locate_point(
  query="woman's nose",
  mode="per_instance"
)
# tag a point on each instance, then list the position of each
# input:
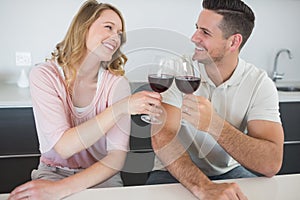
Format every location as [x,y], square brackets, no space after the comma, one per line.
[115,37]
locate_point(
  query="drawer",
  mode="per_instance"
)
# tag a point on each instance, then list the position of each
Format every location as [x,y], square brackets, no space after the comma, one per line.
[291,161]
[18,134]
[16,171]
[290,115]
[140,138]
[136,167]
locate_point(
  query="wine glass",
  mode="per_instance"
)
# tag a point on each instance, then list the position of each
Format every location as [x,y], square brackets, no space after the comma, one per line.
[159,81]
[188,78]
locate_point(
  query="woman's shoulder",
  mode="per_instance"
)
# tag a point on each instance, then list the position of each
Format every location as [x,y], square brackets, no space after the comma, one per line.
[47,67]
[115,79]
[116,85]
[44,71]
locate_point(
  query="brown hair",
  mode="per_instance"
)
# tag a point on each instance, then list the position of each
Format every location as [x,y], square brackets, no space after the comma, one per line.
[237,17]
[68,52]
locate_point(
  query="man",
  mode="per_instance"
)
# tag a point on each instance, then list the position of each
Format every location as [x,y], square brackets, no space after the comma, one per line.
[232,124]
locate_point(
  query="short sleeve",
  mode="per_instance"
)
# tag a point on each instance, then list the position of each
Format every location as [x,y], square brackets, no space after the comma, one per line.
[266,103]
[48,106]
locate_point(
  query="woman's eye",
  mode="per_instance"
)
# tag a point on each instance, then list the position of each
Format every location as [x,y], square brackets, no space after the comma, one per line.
[108,27]
[120,35]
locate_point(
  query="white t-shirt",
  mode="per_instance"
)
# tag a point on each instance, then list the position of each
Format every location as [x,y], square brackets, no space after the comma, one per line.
[248,95]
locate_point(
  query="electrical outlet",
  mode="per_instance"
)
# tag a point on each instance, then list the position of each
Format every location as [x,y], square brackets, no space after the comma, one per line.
[23,59]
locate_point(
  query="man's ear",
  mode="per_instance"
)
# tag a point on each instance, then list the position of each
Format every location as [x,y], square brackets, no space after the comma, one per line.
[235,41]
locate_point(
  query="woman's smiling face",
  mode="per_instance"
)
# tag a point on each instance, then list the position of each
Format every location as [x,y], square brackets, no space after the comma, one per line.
[104,36]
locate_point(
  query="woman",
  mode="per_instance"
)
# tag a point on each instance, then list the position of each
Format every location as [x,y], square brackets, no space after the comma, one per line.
[82,108]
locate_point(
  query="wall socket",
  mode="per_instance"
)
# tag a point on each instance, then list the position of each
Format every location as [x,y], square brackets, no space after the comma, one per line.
[23,59]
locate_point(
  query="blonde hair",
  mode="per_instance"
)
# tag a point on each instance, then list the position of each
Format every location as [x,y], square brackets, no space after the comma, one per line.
[69,52]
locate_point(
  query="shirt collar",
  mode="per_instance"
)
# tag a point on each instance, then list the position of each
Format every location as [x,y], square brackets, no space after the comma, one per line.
[233,80]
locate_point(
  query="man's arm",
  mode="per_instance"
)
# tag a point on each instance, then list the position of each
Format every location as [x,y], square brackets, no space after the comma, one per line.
[261,150]
[175,158]
[170,151]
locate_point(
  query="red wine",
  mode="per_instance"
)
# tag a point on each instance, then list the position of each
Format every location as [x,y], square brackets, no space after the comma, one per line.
[160,83]
[187,84]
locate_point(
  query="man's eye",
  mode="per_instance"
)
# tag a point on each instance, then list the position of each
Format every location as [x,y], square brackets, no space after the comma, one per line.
[205,32]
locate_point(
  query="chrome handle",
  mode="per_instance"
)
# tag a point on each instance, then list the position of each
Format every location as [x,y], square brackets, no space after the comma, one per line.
[292,142]
[20,156]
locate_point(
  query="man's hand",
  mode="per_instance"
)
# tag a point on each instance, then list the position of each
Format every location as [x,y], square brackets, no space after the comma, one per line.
[199,111]
[219,191]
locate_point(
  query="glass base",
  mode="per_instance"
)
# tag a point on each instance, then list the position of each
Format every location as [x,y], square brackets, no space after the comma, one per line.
[150,120]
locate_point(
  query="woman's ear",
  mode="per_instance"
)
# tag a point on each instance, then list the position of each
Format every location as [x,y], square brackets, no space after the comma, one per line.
[235,41]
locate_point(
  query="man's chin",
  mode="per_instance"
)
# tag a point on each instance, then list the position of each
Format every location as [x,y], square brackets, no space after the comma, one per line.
[198,58]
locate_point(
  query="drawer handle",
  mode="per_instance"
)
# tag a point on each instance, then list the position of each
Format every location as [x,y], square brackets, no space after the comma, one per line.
[21,156]
[292,142]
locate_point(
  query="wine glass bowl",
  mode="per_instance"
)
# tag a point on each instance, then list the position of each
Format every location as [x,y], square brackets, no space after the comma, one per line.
[188,78]
[160,81]
[187,84]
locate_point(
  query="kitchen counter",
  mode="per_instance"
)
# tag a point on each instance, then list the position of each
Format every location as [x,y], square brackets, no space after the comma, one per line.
[13,96]
[288,96]
[261,188]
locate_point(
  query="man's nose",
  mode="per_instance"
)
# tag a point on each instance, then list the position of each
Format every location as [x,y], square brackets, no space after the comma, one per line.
[196,36]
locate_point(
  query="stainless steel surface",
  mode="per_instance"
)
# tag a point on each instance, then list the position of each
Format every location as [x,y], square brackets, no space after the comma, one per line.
[20,156]
[276,75]
[288,88]
[292,142]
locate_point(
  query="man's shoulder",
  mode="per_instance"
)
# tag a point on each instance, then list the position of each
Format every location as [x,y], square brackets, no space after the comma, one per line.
[255,73]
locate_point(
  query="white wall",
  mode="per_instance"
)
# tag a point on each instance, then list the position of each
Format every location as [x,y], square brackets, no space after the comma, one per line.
[36,26]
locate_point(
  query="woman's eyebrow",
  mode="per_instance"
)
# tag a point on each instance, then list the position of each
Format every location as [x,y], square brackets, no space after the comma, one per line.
[112,23]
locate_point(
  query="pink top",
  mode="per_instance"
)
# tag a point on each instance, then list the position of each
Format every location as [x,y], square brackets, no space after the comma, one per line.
[54,114]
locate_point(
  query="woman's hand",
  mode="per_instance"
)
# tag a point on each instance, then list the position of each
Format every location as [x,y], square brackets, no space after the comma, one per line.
[144,102]
[36,190]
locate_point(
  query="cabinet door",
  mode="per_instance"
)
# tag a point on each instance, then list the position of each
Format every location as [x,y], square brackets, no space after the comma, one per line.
[18,134]
[16,171]
[140,159]
[19,149]
[290,115]
[291,159]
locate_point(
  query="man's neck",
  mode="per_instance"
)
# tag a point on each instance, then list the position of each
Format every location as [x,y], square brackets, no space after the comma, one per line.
[220,72]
